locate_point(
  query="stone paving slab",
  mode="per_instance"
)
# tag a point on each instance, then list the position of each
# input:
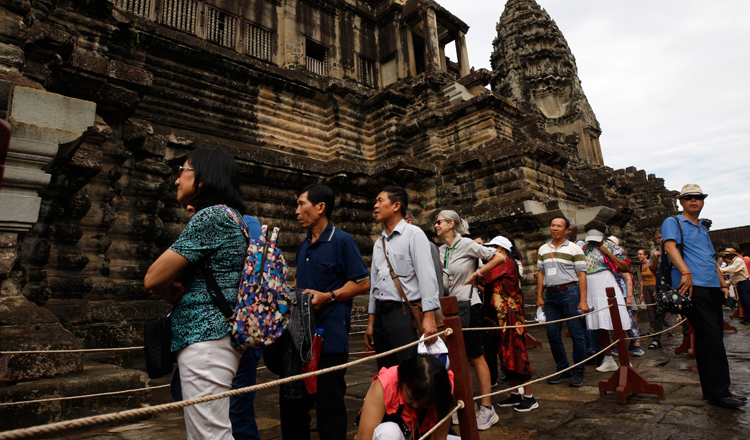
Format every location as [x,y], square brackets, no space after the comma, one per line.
[564,412]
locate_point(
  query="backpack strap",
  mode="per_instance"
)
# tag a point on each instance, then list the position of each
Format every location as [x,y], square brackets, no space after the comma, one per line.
[214,292]
[666,264]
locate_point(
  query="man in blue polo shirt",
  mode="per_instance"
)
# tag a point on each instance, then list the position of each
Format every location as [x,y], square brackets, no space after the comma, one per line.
[689,248]
[330,267]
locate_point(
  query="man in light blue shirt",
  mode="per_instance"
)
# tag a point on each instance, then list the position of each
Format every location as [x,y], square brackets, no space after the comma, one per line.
[408,250]
[689,248]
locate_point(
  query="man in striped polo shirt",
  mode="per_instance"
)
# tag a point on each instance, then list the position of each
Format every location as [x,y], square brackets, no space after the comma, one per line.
[561,271]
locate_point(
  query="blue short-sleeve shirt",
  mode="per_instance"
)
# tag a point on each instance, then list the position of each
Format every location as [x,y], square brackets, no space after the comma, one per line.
[328,264]
[698,251]
[213,235]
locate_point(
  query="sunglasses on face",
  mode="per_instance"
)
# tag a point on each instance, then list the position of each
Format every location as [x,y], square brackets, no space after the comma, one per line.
[182,168]
[437,222]
[688,198]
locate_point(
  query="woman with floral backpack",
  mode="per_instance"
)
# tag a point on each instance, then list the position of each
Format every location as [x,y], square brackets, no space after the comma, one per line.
[211,241]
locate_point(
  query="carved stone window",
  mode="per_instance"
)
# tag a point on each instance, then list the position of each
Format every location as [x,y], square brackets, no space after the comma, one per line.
[316,57]
[366,71]
[180,14]
[259,42]
[140,7]
[221,28]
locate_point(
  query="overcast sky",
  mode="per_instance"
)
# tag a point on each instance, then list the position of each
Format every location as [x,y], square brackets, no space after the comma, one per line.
[669,82]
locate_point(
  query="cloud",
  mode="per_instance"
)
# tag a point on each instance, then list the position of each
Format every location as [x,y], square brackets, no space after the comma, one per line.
[667,81]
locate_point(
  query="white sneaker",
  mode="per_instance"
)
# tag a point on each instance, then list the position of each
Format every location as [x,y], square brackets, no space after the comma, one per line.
[454,417]
[608,365]
[486,418]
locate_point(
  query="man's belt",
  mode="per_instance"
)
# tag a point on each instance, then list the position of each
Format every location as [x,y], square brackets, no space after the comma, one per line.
[560,288]
[387,306]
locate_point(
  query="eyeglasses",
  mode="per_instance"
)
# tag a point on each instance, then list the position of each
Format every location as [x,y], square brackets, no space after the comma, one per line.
[693,197]
[182,168]
[437,222]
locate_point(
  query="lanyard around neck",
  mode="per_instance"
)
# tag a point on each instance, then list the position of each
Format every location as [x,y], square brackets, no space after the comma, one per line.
[449,255]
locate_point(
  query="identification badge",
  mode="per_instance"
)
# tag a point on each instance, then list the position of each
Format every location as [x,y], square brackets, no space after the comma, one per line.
[551,271]
[450,280]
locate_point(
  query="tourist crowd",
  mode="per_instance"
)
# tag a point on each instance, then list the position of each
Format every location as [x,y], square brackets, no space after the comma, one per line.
[412,391]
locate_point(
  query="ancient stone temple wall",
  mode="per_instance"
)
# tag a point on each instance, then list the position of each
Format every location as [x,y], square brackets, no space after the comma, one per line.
[162,90]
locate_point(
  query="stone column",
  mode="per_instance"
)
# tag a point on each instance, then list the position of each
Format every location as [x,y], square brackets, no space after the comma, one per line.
[46,126]
[42,122]
[462,54]
[431,43]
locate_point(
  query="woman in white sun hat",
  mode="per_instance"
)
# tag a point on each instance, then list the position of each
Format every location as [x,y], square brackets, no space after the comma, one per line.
[604,262]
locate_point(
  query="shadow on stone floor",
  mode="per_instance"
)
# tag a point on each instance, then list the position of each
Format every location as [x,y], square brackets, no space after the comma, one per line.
[564,412]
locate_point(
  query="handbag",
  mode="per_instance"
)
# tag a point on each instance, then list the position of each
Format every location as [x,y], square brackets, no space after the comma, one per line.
[669,299]
[157,345]
[416,309]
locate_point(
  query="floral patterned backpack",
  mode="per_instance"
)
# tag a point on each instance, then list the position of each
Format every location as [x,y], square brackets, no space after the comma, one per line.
[263,306]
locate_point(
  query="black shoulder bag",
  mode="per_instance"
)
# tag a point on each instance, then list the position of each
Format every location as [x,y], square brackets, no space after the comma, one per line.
[669,299]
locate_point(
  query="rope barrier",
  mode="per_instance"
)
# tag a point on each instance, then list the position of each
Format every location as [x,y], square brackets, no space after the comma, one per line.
[658,333]
[547,377]
[111,417]
[426,435]
[56,399]
[82,350]
[535,324]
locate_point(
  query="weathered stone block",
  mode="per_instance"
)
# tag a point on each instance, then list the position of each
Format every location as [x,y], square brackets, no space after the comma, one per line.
[92,379]
[11,55]
[68,117]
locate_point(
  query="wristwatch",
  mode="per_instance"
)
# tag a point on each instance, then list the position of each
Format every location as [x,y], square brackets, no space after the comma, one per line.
[333,296]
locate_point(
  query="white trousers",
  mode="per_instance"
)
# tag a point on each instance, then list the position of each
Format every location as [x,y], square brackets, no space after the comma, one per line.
[207,368]
[391,431]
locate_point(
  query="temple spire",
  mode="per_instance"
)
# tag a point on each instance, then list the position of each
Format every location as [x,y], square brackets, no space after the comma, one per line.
[533,65]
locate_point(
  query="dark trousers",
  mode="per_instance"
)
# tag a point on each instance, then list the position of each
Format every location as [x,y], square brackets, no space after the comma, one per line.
[558,305]
[658,321]
[708,322]
[330,411]
[491,353]
[393,329]
[743,292]
[241,409]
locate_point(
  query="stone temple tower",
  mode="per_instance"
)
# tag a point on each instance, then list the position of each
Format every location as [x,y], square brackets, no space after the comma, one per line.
[533,64]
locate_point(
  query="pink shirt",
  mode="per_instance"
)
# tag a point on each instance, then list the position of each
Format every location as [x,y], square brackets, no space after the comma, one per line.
[393,397]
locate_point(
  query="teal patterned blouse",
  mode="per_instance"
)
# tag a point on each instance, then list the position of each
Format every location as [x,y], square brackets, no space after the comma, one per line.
[210,233]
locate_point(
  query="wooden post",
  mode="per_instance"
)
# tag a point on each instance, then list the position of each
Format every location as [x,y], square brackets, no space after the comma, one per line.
[625,381]
[532,341]
[729,328]
[688,344]
[462,387]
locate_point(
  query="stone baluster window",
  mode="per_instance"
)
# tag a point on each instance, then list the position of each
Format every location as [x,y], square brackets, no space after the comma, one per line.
[140,7]
[221,28]
[366,71]
[259,42]
[316,57]
[180,14]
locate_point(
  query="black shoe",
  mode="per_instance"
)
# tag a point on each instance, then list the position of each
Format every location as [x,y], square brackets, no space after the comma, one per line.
[727,402]
[655,344]
[740,398]
[561,377]
[577,379]
[526,405]
[513,400]
[596,361]
[745,322]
